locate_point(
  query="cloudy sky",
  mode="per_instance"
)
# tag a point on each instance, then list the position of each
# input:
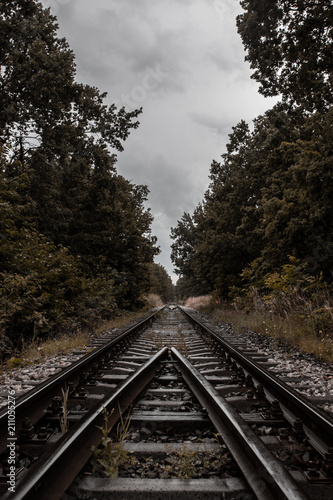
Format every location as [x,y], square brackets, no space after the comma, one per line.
[182,61]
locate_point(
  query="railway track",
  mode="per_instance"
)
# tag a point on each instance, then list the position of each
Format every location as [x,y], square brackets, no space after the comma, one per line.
[202,417]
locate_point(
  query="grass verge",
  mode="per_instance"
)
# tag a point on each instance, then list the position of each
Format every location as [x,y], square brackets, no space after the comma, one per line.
[37,350]
[293,329]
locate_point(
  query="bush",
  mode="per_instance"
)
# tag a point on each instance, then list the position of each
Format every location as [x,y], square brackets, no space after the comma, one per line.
[289,291]
[44,291]
[154,300]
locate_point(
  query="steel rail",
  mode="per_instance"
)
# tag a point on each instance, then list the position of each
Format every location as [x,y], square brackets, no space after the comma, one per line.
[317,424]
[39,398]
[50,476]
[268,479]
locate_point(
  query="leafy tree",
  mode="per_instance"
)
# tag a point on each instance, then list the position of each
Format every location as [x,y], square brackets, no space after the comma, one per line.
[222,252]
[42,288]
[59,129]
[183,252]
[271,195]
[183,289]
[266,201]
[109,231]
[297,203]
[289,45]
[39,98]
[76,238]
[161,283]
[218,253]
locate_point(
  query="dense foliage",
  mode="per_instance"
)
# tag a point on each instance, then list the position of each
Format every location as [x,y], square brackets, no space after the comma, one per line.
[161,283]
[271,197]
[289,44]
[75,238]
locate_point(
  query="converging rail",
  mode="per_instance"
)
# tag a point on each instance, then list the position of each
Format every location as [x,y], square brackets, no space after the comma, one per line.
[181,383]
[263,472]
[50,476]
[32,405]
[300,412]
[266,476]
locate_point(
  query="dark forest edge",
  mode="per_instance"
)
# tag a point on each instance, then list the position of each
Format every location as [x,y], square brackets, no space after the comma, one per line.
[76,247]
[260,242]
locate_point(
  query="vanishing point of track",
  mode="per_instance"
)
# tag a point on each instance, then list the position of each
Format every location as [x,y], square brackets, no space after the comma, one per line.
[181,378]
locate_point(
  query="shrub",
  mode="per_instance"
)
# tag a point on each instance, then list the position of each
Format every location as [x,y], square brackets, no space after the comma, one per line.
[154,300]
[198,302]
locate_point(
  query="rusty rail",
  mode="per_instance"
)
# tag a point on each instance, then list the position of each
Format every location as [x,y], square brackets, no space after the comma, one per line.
[267,478]
[50,476]
[34,402]
[317,425]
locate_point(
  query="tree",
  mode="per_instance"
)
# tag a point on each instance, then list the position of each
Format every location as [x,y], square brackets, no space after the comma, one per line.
[42,288]
[218,253]
[289,44]
[271,195]
[183,251]
[59,129]
[161,283]
[39,98]
[268,199]
[297,204]
[76,236]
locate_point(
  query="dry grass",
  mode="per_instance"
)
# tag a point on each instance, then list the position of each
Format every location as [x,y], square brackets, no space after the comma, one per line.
[198,302]
[290,329]
[36,351]
[123,319]
[293,329]
[154,300]
[60,345]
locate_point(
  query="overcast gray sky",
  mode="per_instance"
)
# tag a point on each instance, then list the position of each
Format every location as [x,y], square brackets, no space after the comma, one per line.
[183,62]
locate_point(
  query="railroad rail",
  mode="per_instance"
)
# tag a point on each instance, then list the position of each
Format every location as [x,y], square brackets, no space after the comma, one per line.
[304,416]
[181,380]
[76,376]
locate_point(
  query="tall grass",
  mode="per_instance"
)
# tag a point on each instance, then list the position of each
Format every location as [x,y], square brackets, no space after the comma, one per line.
[59,345]
[154,300]
[203,301]
[37,350]
[297,321]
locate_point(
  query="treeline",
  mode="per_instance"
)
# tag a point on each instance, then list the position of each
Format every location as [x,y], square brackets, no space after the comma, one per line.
[161,283]
[75,238]
[268,211]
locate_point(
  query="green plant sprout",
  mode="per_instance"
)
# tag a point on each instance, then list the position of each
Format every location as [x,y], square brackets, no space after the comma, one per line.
[111,454]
